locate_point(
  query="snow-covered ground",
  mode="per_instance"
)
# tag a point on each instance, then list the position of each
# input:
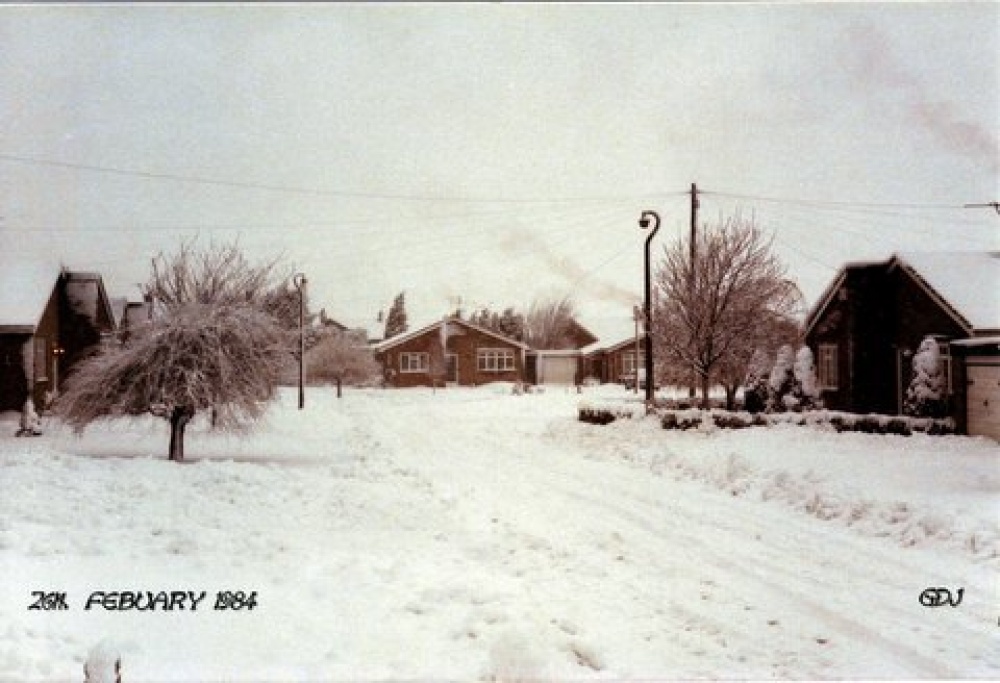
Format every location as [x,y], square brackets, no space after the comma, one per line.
[471,534]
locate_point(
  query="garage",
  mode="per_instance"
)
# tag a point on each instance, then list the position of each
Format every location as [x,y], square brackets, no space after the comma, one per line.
[556,367]
[983,397]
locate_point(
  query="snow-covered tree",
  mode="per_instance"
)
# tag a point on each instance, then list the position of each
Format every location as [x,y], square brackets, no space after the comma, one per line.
[709,310]
[341,357]
[806,391]
[781,383]
[396,321]
[210,347]
[925,395]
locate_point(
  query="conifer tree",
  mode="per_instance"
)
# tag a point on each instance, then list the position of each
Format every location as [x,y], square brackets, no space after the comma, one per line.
[925,395]
[396,322]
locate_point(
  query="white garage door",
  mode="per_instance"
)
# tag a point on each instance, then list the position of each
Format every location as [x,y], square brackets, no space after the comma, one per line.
[983,400]
[556,370]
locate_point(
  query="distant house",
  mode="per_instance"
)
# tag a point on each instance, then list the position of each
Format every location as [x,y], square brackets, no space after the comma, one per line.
[617,363]
[565,365]
[452,351]
[871,319]
[50,318]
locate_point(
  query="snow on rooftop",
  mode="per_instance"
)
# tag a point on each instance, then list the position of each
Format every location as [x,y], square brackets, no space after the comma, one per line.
[25,288]
[968,281]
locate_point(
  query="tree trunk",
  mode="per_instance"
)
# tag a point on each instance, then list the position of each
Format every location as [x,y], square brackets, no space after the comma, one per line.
[179,418]
[731,396]
[339,383]
[705,388]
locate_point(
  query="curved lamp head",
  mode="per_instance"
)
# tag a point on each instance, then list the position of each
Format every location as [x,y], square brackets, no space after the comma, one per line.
[299,280]
[649,219]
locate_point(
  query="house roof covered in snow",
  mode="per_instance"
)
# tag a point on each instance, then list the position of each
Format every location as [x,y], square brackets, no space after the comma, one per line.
[964,283]
[25,288]
[453,323]
[969,282]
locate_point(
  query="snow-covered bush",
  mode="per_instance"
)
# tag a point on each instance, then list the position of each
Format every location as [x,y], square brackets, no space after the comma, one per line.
[805,391]
[603,414]
[925,395]
[782,380]
[755,385]
[816,419]
[792,384]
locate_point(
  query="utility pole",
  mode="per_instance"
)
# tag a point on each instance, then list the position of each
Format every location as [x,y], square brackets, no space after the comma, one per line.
[300,283]
[694,224]
[694,251]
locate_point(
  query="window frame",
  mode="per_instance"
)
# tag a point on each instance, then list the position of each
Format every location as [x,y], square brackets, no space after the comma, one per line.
[414,362]
[41,359]
[495,360]
[827,368]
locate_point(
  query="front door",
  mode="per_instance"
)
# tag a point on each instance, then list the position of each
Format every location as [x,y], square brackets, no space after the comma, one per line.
[451,371]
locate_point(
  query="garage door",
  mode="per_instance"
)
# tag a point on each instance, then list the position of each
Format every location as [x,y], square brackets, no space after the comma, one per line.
[557,370]
[983,400]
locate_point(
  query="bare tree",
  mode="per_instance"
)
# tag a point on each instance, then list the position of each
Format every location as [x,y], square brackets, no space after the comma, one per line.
[342,357]
[210,347]
[711,313]
[549,323]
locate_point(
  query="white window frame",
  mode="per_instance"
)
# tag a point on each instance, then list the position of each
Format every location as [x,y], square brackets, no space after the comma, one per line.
[41,359]
[495,360]
[944,353]
[412,362]
[628,362]
[826,366]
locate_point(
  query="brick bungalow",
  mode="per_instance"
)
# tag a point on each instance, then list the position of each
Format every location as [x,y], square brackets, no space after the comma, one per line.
[49,319]
[867,325]
[451,351]
[617,363]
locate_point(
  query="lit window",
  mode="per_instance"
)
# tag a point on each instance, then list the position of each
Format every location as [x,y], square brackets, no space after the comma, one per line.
[495,360]
[414,362]
[826,366]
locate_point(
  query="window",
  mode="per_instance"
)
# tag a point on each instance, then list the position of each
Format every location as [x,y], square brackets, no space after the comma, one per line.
[944,351]
[495,360]
[826,366]
[41,359]
[628,362]
[414,362]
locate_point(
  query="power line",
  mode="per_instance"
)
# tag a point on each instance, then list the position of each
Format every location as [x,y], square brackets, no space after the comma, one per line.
[352,194]
[829,203]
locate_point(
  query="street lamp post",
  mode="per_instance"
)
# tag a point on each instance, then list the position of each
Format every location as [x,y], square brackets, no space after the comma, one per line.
[646,220]
[637,317]
[300,284]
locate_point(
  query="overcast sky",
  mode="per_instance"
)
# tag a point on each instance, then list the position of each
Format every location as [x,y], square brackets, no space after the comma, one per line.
[490,151]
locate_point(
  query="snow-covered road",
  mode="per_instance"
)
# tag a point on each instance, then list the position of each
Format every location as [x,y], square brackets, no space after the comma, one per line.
[640,574]
[477,535]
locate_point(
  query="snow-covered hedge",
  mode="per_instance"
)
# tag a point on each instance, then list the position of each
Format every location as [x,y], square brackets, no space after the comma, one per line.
[606,413]
[823,419]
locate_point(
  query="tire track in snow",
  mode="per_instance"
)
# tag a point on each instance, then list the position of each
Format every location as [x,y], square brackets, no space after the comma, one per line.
[538,478]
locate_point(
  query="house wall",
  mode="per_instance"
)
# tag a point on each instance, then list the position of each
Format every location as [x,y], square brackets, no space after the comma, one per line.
[49,329]
[13,380]
[465,346]
[876,320]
